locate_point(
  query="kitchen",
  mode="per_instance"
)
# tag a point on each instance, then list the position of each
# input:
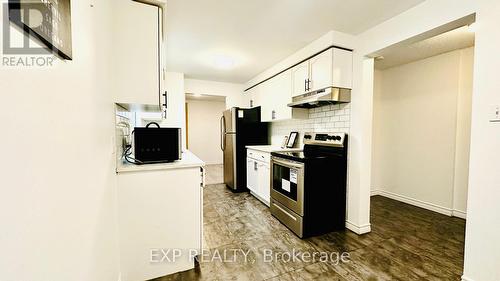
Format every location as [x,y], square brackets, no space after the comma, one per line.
[180,131]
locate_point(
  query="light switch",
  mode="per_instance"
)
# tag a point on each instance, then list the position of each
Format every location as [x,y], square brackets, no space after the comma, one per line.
[495,113]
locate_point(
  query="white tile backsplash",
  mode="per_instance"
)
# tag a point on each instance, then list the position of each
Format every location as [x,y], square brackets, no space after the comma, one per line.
[328,118]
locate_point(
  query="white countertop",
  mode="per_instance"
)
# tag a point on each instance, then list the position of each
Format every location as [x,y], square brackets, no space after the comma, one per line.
[271,148]
[189,160]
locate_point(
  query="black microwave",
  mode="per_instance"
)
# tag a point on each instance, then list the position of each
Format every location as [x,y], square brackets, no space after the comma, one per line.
[157,145]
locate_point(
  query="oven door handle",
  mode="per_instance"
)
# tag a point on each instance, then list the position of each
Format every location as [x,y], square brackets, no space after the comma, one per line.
[287,164]
[285,212]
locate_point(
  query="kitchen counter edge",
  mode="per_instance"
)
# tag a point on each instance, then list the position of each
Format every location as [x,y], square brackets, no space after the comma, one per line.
[271,148]
[189,160]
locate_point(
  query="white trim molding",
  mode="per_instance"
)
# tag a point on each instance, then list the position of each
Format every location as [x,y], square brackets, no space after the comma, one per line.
[464,278]
[420,203]
[358,229]
[459,214]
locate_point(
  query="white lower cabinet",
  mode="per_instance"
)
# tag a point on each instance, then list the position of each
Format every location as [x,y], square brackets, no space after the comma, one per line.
[252,175]
[264,181]
[258,175]
[158,209]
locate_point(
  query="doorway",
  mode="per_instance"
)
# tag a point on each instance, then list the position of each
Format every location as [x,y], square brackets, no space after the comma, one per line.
[203,114]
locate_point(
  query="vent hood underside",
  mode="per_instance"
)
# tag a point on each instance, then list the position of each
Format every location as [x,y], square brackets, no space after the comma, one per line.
[322,97]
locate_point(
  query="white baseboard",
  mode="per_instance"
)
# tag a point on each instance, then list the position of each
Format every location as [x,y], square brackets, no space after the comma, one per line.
[420,203]
[358,229]
[464,278]
[459,214]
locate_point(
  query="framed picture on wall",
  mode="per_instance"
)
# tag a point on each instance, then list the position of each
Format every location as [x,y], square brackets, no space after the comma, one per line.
[48,21]
[292,139]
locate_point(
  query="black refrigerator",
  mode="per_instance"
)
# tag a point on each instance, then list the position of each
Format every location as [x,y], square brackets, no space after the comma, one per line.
[240,127]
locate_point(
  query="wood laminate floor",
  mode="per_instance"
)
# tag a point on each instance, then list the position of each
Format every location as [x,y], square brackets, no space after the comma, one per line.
[406,243]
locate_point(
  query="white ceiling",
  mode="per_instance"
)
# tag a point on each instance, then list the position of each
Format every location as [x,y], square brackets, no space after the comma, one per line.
[254,35]
[446,42]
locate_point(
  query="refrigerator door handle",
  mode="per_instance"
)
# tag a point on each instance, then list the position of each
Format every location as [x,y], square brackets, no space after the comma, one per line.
[223,133]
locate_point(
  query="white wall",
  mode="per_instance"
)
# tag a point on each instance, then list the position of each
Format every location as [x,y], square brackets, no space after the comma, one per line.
[232,92]
[482,248]
[415,134]
[204,129]
[57,207]
[462,148]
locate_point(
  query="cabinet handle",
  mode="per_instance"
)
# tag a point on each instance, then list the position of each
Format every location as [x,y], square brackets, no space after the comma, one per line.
[273,115]
[255,166]
[251,103]
[165,105]
[165,99]
[305,85]
[308,84]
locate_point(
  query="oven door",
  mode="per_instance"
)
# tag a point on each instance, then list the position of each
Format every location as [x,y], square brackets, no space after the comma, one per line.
[287,184]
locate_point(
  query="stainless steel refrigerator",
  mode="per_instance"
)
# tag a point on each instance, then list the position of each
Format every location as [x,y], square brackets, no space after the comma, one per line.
[240,127]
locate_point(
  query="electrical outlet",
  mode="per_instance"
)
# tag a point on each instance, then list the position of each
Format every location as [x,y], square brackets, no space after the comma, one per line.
[495,113]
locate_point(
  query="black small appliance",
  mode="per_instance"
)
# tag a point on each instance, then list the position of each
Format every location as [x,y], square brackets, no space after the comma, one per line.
[157,145]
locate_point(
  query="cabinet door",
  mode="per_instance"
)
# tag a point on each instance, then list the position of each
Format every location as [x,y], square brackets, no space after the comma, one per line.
[266,93]
[247,101]
[321,70]
[255,96]
[252,175]
[300,74]
[282,96]
[342,68]
[264,182]
[175,99]
[136,62]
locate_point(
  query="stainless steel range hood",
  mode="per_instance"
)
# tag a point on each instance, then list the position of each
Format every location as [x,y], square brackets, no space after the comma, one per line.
[322,97]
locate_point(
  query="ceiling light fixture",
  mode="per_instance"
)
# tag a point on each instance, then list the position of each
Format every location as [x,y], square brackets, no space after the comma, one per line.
[223,62]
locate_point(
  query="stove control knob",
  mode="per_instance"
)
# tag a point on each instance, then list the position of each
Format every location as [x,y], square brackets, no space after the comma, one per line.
[307,137]
[338,138]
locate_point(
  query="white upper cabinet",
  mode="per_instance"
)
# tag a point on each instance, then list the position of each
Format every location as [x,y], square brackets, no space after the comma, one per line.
[342,68]
[300,74]
[136,53]
[320,71]
[175,99]
[331,68]
[275,95]
[266,91]
[254,95]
